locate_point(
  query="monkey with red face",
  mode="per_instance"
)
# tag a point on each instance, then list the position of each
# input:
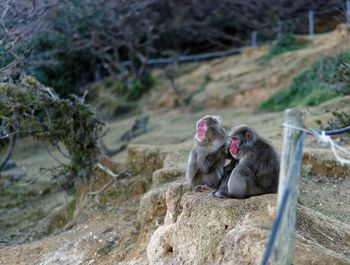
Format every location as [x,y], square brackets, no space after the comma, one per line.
[257,170]
[205,167]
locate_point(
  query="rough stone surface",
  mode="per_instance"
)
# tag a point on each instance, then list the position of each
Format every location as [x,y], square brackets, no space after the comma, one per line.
[166,174]
[64,255]
[212,231]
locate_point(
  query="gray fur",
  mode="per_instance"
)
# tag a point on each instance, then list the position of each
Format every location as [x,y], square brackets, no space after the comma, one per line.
[207,158]
[257,171]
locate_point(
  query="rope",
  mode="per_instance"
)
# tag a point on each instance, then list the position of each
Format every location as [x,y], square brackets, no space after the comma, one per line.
[324,136]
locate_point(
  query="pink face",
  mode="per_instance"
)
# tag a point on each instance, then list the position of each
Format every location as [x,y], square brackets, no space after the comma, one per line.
[234,146]
[201,130]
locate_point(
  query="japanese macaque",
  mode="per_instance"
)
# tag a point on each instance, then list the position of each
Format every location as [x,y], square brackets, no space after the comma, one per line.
[205,167]
[257,170]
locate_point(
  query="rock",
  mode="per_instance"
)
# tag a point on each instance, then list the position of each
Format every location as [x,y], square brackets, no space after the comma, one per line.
[67,254]
[214,231]
[145,159]
[151,213]
[322,163]
[160,205]
[166,175]
[173,197]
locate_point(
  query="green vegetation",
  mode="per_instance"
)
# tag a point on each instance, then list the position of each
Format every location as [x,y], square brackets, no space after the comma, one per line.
[326,79]
[32,109]
[188,99]
[288,42]
[138,87]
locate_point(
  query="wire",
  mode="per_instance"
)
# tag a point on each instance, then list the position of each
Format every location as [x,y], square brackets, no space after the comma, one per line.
[336,131]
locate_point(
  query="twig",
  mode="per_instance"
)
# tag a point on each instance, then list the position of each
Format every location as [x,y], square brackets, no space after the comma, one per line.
[50,154]
[61,151]
[94,193]
[30,181]
[110,173]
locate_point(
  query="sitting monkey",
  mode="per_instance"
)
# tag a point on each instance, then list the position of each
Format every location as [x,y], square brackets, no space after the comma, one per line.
[205,166]
[257,171]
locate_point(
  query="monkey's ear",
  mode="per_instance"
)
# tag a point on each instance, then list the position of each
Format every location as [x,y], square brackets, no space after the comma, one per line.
[218,119]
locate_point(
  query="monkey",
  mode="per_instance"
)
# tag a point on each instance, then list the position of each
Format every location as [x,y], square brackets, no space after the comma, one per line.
[257,171]
[205,166]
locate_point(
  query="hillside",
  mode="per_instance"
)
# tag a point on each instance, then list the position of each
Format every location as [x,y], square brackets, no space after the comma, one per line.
[151,217]
[246,80]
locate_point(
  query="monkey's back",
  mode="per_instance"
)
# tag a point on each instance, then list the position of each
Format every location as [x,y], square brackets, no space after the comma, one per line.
[267,166]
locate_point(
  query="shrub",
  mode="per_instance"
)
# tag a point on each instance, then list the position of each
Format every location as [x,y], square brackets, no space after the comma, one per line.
[33,109]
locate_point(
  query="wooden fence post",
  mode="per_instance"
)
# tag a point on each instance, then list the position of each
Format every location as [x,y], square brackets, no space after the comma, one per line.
[348,12]
[254,39]
[311,23]
[283,248]
[279,30]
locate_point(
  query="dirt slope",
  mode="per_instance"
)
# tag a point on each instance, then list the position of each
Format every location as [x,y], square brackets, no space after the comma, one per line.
[245,81]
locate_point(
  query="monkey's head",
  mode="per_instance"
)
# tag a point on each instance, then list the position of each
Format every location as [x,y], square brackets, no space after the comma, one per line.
[209,129]
[241,136]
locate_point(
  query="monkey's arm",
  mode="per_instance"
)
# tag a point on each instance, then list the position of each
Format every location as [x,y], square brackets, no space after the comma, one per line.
[229,167]
[192,169]
[240,184]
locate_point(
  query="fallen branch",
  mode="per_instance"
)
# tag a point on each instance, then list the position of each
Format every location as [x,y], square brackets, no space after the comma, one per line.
[109,183]
[107,170]
[94,193]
